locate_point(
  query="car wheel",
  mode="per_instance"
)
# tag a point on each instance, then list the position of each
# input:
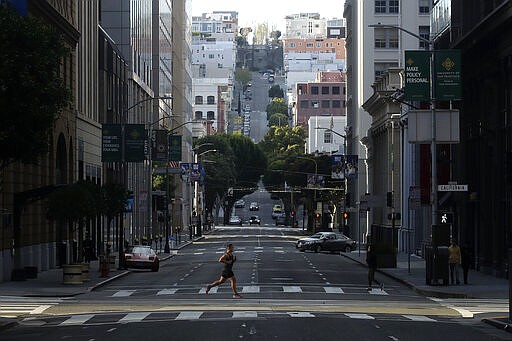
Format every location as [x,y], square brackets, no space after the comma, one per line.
[155,268]
[318,248]
[348,249]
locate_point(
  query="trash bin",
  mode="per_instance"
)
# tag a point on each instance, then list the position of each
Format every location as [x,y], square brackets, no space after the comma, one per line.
[441,264]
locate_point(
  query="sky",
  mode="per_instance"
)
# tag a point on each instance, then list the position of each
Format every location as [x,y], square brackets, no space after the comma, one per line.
[251,12]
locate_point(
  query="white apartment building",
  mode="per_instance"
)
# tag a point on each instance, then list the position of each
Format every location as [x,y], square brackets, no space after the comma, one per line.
[370,52]
[220,25]
[216,57]
[305,25]
[321,138]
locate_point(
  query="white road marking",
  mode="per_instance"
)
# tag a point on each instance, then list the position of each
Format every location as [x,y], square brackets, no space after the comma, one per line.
[300,314]
[378,292]
[198,253]
[419,318]
[333,290]
[212,290]
[40,309]
[189,315]
[123,293]
[292,289]
[77,320]
[360,316]
[282,279]
[245,314]
[258,247]
[134,317]
[251,289]
[167,292]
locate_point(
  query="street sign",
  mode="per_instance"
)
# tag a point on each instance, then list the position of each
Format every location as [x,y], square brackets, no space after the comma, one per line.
[452,188]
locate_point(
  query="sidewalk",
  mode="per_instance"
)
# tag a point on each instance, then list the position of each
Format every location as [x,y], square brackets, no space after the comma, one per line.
[49,283]
[481,286]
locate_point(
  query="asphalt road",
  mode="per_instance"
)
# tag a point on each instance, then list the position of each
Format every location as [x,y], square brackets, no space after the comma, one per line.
[286,295]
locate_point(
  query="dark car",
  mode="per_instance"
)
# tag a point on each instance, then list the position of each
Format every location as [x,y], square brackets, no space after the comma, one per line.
[141,257]
[326,241]
[254,220]
[254,206]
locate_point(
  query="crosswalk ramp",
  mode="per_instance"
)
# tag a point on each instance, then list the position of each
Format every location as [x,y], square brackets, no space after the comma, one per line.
[194,315]
[468,307]
[15,306]
[251,289]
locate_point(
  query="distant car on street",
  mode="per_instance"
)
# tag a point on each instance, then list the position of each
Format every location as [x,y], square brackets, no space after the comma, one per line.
[281,219]
[326,241]
[276,211]
[240,203]
[254,220]
[141,257]
[235,220]
[254,206]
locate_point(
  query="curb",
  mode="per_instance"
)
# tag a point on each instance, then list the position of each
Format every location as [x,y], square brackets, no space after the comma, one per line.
[498,324]
[108,280]
[424,292]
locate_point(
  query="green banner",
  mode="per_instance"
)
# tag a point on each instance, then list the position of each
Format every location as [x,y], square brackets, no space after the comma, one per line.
[174,147]
[134,142]
[447,75]
[111,143]
[417,75]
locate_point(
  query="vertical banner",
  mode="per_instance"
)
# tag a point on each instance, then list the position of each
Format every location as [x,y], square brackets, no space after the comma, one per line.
[134,142]
[111,143]
[344,167]
[417,75]
[195,172]
[174,147]
[159,145]
[447,75]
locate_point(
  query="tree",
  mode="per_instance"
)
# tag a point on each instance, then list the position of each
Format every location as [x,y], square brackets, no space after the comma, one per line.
[275,92]
[279,120]
[113,202]
[260,34]
[243,76]
[277,106]
[32,92]
[282,141]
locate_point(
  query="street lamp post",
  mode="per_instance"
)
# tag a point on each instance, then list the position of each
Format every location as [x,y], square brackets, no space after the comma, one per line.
[199,213]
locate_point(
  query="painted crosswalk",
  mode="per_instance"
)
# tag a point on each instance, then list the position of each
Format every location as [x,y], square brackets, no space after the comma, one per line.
[252,289]
[194,315]
[15,306]
[469,307]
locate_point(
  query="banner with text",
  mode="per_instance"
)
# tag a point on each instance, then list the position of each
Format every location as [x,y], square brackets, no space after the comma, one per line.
[447,75]
[111,143]
[417,75]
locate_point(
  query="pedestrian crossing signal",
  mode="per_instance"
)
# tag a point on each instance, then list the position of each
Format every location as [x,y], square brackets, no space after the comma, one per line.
[446,218]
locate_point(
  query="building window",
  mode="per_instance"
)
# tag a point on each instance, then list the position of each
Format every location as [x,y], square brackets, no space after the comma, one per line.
[335,90]
[198,115]
[326,104]
[211,56]
[327,136]
[304,104]
[292,44]
[381,68]
[393,6]
[309,45]
[315,104]
[336,103]
[199,99]
[314,90]
[424,6]
[210,115]
[424,32]
[325,90]
[318,44]
[386,38]
[380,6]
[210,100]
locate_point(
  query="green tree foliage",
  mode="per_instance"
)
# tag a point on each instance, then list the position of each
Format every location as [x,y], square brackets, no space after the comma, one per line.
[282,141]
[243,76]
[279,120]
[31,91]
[277,106]
[275,92]
[260,34]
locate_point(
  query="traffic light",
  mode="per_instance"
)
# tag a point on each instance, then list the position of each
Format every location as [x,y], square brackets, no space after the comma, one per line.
[389,199]
[292,213]
[317,216]
[345,215]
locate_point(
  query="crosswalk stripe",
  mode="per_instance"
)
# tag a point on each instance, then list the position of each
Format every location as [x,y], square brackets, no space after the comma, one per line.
[123,293]
[77,319]
[378,292]
[251,289]
[212,290]
[300,314]
[167,292]
[292,289]
[40,309]
[333,290]
[189,315]
[245,314]
[419,318]
[360,316]
[134,317]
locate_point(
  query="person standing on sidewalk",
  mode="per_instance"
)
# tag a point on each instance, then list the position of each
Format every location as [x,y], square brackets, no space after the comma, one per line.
[228,259]
[454,259]
[465,261]
[371,260]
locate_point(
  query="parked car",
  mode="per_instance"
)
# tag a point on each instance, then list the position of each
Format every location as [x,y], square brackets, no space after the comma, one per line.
[254,220]
[141,257]
[326,241]
[235,220]
[281,219]
[240,203]
[254,206]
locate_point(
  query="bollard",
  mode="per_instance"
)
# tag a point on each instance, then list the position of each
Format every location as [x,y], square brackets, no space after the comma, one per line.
[85,272]
[104,269]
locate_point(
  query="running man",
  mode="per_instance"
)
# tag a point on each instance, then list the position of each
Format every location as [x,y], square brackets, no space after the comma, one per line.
[227,273]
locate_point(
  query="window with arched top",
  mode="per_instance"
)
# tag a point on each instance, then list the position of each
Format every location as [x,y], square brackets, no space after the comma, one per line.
[210,100]
[198,115]
[210,115]
[199,99]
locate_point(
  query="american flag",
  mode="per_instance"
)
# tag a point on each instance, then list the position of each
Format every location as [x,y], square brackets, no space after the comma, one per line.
[173,164]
